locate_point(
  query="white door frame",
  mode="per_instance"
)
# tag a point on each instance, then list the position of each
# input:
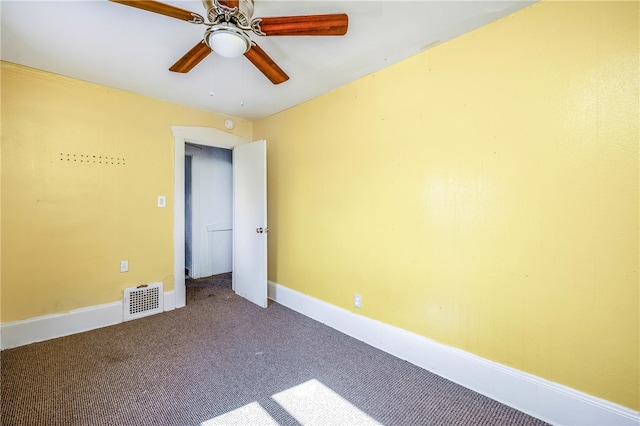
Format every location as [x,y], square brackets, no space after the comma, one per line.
[206,136]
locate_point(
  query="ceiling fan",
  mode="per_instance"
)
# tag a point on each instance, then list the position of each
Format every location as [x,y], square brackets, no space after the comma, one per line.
[228,23]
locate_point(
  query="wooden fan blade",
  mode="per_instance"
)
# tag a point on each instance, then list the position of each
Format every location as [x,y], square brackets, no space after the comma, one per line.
[191,58]
[163,9]
[308,25]
[265,64]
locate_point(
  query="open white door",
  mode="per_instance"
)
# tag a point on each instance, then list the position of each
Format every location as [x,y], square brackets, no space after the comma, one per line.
[250,221]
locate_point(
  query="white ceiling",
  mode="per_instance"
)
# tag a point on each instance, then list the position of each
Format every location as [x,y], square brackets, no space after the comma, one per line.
[131,49]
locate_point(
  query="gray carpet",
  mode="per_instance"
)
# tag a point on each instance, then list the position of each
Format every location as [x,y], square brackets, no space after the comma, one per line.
[223,360]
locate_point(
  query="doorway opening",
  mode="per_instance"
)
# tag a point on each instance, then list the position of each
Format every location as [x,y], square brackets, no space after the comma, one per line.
[208,211]
[204,136]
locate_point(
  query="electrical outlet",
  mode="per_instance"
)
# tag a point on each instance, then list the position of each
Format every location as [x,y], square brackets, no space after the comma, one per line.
[357,301]
[124,266]
[162,201]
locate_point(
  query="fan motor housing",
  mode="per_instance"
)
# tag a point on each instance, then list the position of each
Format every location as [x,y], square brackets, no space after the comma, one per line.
[217,8]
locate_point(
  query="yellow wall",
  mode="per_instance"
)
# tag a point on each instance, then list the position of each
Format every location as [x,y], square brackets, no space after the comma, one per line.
[67,221]
[483,193]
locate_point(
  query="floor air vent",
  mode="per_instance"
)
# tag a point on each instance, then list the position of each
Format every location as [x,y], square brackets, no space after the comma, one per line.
[143,300]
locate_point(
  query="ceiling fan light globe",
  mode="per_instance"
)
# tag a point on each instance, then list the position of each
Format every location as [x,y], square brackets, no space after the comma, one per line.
[228,42]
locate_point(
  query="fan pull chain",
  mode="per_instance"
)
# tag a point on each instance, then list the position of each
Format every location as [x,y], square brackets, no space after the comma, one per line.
[244,83]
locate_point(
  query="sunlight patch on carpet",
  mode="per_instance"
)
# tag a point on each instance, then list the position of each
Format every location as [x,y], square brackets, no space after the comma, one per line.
[310,403]
[250,414]
[313,403]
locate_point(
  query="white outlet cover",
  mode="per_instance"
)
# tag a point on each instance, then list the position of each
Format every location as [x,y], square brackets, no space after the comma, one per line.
[124,266]
[357,301]
[162,201]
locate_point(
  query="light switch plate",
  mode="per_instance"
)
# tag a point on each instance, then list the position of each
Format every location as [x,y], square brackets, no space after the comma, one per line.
[162,201]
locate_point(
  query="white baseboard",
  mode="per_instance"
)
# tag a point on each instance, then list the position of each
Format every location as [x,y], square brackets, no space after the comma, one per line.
[545,400]
[169,300]
[38,329]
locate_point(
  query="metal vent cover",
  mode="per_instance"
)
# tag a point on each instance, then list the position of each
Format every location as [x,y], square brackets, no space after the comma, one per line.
[143,300]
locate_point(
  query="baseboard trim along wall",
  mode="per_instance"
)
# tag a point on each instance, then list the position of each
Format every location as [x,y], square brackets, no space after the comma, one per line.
[545,400]
[548,401]
[38,329]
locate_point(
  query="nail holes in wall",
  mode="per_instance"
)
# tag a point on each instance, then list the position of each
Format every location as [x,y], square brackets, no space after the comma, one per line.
[92,159]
